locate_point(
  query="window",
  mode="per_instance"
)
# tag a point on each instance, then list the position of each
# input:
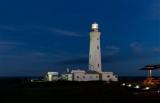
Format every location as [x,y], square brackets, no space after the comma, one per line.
[108,76]
[97,47]
[98,65]
[83,76]
[77,76]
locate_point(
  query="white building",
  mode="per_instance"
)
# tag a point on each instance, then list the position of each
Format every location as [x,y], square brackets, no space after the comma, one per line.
[67,76]
[81,75]
[109,76]
[52,76]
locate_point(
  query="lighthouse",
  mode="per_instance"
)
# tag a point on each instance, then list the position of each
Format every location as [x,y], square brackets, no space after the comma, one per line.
[95,72]
[95,49]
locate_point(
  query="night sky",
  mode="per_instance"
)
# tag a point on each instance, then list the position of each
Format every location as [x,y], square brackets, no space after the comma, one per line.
[37,36]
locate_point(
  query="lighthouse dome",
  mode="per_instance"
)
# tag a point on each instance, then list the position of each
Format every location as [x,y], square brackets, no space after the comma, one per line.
[94,26]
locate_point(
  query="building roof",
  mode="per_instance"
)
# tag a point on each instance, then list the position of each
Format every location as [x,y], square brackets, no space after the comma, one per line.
[78,71]
[151,67]
[92,72]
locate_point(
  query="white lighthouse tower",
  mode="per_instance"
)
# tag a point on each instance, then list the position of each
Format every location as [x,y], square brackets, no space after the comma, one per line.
[95,49]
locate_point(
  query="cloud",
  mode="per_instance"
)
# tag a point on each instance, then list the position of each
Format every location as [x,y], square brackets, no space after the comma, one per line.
[112,50]
[58,31]
[155,10]
[80,60]
[84,60]
[65,32]
[110,56]
[9,44]
[39,54]
[8,28]
[136,47]
[31,28]
[157,49]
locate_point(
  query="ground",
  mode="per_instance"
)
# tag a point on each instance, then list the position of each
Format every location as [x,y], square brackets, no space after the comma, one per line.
[73,92]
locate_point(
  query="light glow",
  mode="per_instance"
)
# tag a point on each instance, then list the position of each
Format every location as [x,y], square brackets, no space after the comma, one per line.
[129,85]
[147,88]
[137,86]
[123,84]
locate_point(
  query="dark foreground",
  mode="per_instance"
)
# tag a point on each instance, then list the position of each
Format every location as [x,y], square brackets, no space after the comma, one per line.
[23,91]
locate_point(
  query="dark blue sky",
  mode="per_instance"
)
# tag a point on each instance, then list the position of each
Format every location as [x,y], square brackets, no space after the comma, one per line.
[37,36]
